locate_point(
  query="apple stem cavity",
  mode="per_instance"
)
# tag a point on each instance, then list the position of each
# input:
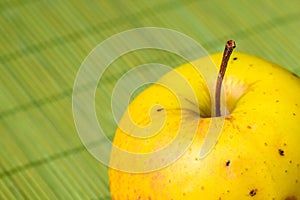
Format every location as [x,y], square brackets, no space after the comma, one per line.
[230,45]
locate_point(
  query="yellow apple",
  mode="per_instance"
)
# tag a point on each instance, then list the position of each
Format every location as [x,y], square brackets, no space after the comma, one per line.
[256,155]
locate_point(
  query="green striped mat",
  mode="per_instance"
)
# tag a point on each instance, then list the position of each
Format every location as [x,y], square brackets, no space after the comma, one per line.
[42,45]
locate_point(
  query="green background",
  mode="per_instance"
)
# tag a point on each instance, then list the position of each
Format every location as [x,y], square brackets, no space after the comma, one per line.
[42,45]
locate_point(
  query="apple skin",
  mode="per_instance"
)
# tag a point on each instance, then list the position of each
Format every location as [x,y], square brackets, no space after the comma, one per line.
[256,156]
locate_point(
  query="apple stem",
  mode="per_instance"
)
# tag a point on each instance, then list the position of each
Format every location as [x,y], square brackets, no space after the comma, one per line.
[230,45]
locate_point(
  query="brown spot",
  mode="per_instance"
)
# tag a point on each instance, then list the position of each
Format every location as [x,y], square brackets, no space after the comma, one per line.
[294,114]
[277,101]
[202,187]
[227,163]
[285,171]
[229,118]
[291,198]
[149,198]
[249,127]
[235,58]
[281,152]
[266,144]
[253,192]
[159,109]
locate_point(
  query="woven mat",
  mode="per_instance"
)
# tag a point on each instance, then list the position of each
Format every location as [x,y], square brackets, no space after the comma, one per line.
[43,44]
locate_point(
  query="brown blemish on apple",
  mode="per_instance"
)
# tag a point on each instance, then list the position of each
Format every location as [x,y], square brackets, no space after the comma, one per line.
[235,58]
[253,192]
[294,114]
[249,127]
[159,109]
[227,163]
[277,101]
[229,118]
[281,152]
[291,198]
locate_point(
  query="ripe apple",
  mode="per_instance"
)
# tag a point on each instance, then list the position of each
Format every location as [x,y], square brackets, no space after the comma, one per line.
[256,155]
